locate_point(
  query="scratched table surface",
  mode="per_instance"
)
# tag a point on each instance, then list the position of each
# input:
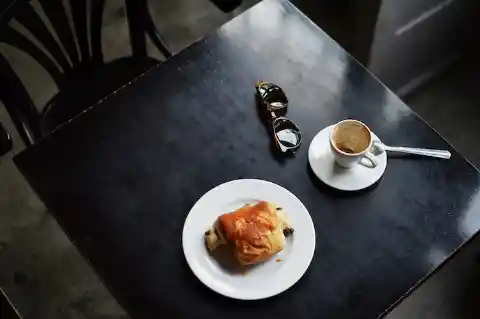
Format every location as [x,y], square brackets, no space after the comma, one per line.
[121,178]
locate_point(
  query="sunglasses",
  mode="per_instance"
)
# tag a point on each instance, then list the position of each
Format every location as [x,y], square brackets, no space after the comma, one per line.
[274,102]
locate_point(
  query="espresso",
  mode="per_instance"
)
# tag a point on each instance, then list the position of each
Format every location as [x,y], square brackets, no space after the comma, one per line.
[351,137]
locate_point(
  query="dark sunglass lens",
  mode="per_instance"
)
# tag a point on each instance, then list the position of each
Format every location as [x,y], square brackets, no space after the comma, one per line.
[273,95]
[287,133]
[276,98]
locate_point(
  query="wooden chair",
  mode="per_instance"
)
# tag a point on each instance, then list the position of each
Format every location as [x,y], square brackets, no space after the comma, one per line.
[81,75]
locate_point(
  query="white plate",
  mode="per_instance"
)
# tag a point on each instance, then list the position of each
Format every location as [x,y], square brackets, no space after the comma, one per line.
[323,165]
[260,281]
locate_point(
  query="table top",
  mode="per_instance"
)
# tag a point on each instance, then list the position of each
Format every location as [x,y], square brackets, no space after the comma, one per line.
[121,178]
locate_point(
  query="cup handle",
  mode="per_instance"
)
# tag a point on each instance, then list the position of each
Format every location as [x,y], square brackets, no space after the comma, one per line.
[368,160]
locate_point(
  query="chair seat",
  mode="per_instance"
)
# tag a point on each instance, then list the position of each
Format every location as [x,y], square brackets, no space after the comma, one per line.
[88,86]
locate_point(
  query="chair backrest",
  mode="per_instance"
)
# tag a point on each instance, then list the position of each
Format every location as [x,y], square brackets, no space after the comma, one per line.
[68,43]
[63,55]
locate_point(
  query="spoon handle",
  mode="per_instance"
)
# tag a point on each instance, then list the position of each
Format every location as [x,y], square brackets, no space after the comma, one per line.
[420,151]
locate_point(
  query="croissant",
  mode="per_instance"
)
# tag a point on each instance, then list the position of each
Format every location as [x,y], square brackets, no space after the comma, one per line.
[255,232]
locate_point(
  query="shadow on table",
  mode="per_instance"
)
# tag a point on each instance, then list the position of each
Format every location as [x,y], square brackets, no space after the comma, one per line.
[324,188]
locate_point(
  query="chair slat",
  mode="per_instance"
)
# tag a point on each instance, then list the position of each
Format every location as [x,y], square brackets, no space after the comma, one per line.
[57,15]
[29,18]
[79,16]
[18,40]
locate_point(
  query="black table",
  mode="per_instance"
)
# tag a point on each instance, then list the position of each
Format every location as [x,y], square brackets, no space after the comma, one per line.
[121,178]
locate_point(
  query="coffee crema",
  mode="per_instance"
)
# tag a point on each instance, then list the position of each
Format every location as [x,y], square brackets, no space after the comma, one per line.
[351,137]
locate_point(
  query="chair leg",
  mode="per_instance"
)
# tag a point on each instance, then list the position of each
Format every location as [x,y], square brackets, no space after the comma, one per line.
[155,36]
[141,24]
[135,27]
[19,106]
[6,143]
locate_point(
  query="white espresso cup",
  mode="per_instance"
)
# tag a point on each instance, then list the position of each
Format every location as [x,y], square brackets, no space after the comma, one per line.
[350,142]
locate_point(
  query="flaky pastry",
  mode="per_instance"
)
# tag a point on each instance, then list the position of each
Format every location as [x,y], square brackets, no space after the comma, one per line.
[256,232]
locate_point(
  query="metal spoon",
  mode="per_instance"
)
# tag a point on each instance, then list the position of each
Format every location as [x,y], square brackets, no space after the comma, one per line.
[379,147]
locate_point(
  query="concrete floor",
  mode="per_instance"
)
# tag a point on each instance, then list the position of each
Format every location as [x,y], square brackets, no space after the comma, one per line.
[45,276]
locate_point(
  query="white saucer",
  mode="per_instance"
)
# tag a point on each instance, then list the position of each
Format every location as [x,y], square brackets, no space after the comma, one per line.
[259,281]
[323,165]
